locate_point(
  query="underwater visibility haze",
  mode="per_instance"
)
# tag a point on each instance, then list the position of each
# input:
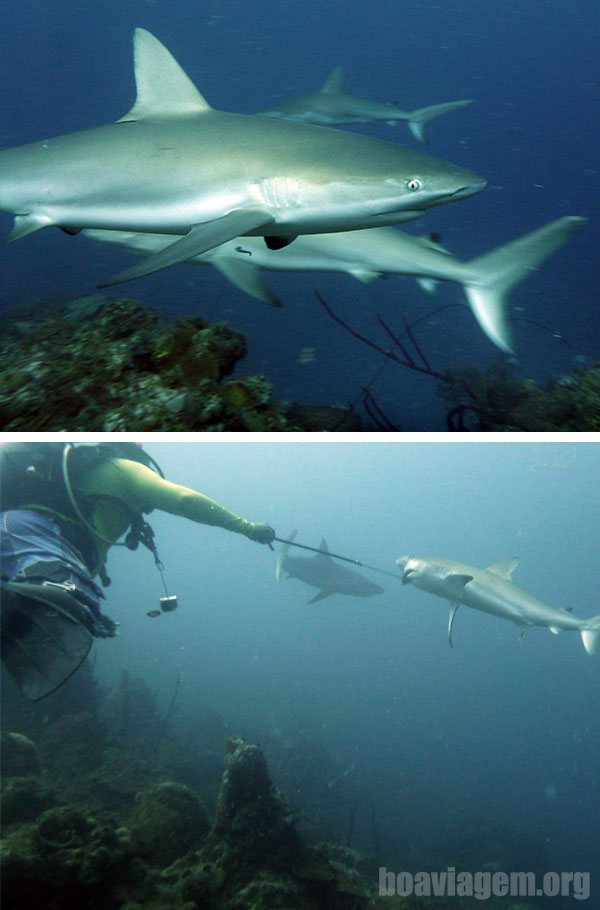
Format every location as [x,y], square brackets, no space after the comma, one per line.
[530,70]
[482,756]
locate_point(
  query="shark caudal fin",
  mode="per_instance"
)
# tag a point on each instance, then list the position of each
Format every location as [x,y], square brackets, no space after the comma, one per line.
[282,556]
[591,636]
[495,273]
[419,120]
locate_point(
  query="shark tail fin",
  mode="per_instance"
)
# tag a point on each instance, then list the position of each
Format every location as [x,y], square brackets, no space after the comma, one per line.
[419,120]
[282,556]
[591,636]
[495,274]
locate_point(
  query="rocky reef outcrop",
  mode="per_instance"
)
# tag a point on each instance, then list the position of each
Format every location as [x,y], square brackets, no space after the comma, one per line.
[104,364]
[496,401]
[165,853]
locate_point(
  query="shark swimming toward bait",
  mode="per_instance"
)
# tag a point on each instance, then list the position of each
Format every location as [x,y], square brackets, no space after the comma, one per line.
[492,591]
[331,105]
[174,165]
[370,253]
[322,572]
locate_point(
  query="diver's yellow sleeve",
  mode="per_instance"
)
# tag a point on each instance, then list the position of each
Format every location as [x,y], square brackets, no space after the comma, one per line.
[140,488]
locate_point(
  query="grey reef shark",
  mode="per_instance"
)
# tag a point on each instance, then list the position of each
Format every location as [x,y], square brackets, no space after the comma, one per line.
[368,254]
[492,591]
[331,105]
[324,573]
[174,165]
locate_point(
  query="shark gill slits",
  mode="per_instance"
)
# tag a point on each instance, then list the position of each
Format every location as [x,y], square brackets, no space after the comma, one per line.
[414,184]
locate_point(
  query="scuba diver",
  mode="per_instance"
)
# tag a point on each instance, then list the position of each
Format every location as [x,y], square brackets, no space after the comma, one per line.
[62,507]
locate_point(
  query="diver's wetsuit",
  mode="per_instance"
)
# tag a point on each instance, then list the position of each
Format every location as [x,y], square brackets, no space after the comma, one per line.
[38,543]
[48,560]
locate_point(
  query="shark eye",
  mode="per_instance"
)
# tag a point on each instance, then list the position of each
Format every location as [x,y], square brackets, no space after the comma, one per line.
[414,184]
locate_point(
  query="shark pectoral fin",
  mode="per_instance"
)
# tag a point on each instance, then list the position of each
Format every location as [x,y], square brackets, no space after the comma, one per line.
[246,276]
[453,608]
[591,636]
[554,629]
[320,596]
[364,275]
[199,239]
[164,90]
[282,556]
[333,83]
[27,224]
[505,568]
[455,585]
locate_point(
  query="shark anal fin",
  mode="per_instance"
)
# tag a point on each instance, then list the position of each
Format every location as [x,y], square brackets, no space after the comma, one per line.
[27,224]
[505,568]
[320,596]
[199,239]
[247,277]
[453,608]
[364,275]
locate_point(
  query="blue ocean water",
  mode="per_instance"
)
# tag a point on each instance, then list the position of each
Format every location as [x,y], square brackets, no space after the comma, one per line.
[531,67]
[495,735]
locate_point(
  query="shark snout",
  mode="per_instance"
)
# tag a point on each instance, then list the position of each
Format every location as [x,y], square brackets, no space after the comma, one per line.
[404,564]
[476,185]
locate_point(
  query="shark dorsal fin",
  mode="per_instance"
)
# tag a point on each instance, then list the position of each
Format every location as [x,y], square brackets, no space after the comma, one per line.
[163,89]
[323,549]
[505,568]
[333,83]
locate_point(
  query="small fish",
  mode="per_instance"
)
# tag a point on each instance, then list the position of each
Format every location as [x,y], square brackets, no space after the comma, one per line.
[306,355]
[153,613]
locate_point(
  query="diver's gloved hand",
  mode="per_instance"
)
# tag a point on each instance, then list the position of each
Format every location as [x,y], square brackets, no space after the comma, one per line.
[262,533]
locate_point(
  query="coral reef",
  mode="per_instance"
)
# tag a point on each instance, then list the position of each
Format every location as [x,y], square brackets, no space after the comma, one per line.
[164,853]
[167,821]
[496,401]
[96,815]
[99,363]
